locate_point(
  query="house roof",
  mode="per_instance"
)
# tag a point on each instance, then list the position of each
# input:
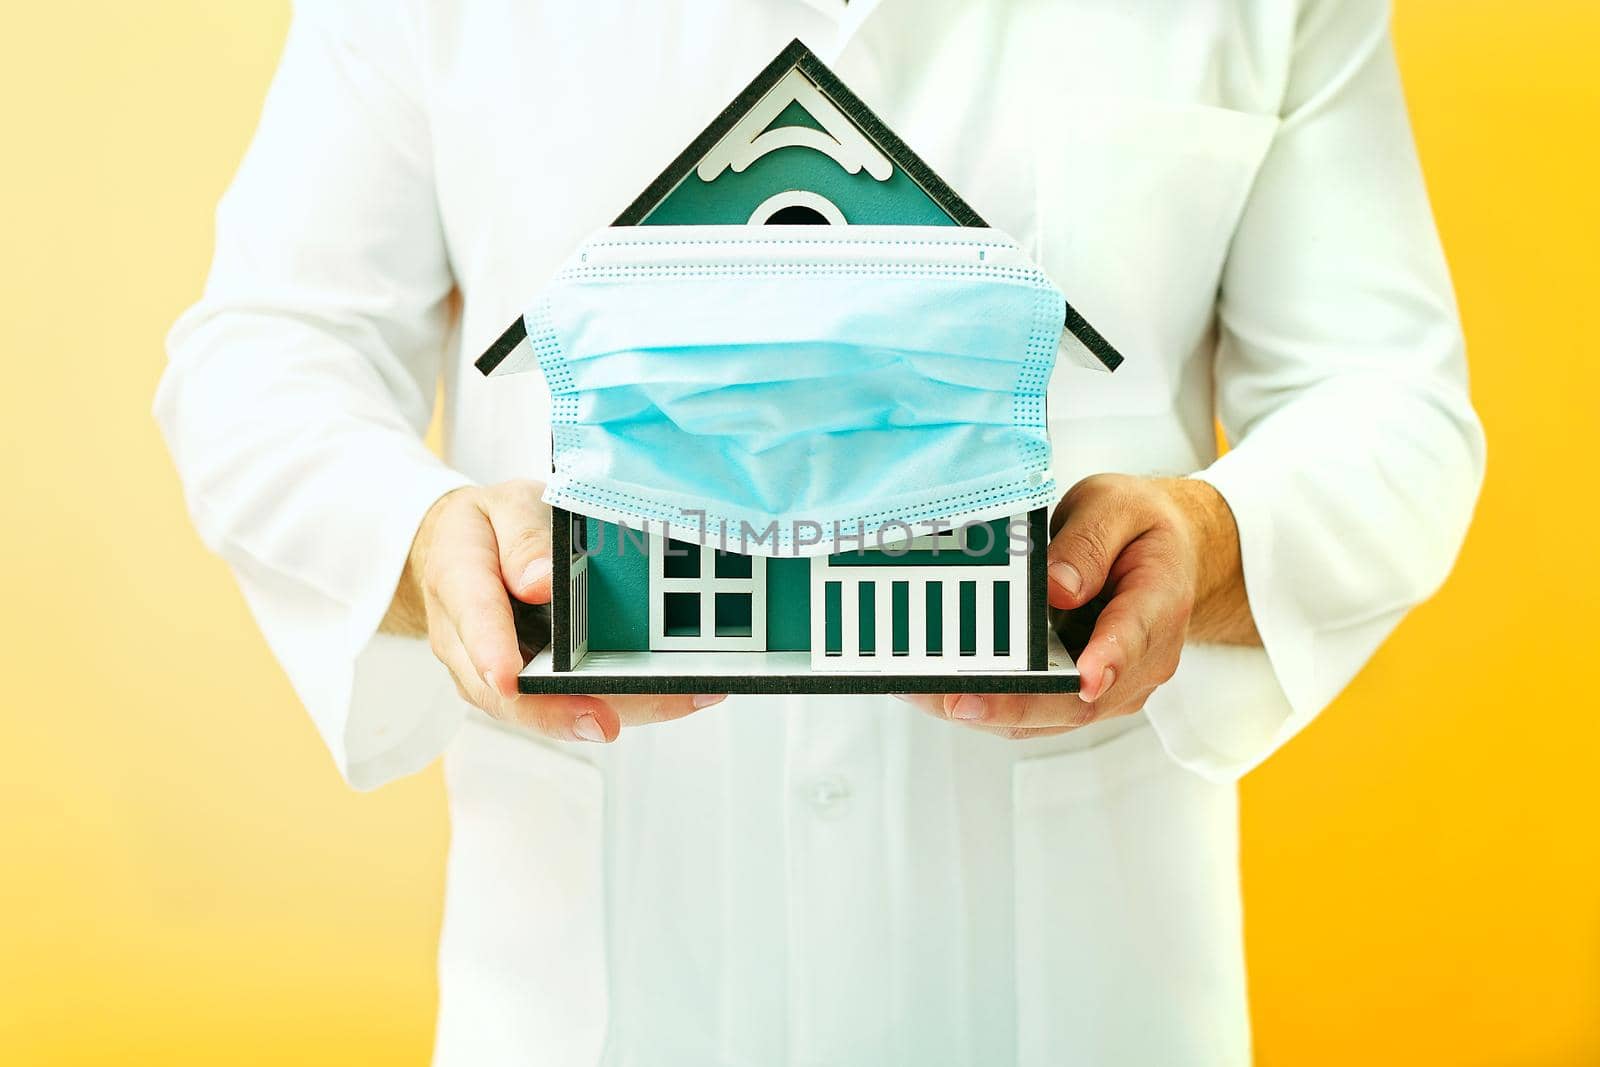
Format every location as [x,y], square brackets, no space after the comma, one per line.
[798,57]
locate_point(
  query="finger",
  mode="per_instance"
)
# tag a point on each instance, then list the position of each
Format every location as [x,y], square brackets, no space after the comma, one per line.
[463,583]
[474,689]
[1006,715]
[521,523]
[560,717]
[1148,609]
[1001,711]
[959,707]
[565,717]
[1018,711]
[1127,699]
[1099,517]
[932,703]
[642,709]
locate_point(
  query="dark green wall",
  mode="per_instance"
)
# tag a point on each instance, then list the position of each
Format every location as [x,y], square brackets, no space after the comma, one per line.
[619,590]
[788,605]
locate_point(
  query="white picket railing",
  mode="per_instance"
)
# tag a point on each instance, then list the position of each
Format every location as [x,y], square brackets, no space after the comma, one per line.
[579,615]
[918,656]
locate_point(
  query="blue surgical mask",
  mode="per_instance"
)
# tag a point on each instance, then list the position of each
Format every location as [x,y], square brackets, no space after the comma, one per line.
[774,390]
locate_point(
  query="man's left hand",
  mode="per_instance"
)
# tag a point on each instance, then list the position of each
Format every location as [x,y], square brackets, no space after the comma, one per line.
[1167,552]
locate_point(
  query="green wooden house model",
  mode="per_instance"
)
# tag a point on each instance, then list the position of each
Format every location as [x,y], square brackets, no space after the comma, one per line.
[632,612]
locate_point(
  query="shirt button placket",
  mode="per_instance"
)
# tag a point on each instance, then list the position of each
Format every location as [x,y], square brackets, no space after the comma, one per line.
[830,796]
[839,955]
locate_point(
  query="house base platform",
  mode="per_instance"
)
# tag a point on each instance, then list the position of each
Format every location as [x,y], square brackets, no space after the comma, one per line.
[600,673]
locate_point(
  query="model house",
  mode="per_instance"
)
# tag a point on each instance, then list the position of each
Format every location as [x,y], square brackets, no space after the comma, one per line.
[635,612]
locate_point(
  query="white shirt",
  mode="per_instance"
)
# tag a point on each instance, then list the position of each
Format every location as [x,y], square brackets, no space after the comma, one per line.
[1225,188]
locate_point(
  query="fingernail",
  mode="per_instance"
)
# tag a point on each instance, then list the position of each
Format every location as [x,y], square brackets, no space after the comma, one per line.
[1108,678]
[589,730]
[1067,577]
[494,686]
[906,697]
[968,708]
[538,570]
[705,700]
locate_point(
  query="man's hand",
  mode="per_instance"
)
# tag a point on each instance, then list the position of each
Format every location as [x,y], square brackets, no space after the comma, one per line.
[1166,550]
[474,550]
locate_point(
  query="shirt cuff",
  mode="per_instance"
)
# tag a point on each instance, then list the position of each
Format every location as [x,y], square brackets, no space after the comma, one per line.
[382,704]
[1230,707]
[402,708]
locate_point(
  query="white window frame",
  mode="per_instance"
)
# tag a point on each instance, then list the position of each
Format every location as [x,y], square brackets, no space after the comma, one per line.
[707,585]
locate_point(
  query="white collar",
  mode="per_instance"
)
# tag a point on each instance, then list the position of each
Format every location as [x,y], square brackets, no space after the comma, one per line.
[848,16]
[834,9]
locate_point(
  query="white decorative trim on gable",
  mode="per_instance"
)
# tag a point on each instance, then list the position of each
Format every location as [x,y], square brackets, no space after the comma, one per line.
[746,143]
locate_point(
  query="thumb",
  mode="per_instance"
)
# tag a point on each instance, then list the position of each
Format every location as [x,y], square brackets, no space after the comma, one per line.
[1097,523]
[521,524]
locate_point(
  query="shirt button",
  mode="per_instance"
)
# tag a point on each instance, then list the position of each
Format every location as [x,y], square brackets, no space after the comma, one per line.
[830,797]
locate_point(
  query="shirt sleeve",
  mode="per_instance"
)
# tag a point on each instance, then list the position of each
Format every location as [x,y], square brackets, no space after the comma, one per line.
[299,387]
[1342,385]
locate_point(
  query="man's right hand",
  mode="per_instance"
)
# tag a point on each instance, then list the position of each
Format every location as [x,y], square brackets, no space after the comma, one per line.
[476,548]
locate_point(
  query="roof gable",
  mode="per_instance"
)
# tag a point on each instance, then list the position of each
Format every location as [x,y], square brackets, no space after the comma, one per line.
[796,75]
[843,149]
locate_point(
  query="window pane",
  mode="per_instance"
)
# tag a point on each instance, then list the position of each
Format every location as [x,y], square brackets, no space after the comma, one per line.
[681,614]
[681,559]
[734,615]
[732,565]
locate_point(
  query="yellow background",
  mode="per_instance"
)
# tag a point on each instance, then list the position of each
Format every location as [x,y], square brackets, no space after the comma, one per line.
[183,879]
